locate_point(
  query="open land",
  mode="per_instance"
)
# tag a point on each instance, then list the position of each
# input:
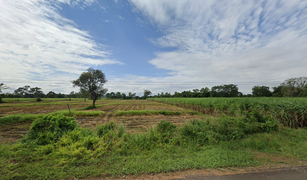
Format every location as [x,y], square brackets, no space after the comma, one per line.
[146,138]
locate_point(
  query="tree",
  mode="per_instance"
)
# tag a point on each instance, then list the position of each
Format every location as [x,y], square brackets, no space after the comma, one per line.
[292,87]
[260,91]
[277,91]
[92,82]
[51,94]
[2,87]
[146,93]
[36,92]
[226,90]
[131,95]
[23,91]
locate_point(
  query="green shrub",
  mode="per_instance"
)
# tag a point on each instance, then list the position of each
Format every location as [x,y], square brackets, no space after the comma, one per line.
[121,130]
[104,129]
[49,129]
[39,99]
[89,107]
[166,130]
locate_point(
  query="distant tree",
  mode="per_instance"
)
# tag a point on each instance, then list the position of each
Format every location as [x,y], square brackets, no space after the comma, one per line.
[292,87]
[146,93]
[118,95]
[131,95]
[124,96]
[277,91]
[205,92]
[23,91]
[261,91]
[36,92]
[2,87]
[92,82]
[303,93]
[226,90]
[51,94]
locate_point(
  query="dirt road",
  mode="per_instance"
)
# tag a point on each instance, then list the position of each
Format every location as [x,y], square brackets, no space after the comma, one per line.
[294,173]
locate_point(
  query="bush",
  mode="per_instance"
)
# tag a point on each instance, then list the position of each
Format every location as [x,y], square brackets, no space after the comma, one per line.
[39,99]
[227,128]
[89,107]
[104,129]
[49,129]
[166,130]
[1,100]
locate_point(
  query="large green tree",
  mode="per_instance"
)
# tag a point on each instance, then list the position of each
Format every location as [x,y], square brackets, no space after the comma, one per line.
[92,82]
[261,91]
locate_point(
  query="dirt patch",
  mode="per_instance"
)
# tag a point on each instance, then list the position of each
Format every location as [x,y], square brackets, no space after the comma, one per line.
[37,109]
[11,133]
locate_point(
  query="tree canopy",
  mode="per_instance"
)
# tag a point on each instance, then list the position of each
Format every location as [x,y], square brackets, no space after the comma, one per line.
[261,91]
[92,82]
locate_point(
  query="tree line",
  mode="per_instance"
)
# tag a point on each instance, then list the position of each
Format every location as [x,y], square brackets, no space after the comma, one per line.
[293,87]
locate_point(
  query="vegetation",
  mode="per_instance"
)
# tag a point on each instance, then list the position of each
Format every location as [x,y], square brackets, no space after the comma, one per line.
[92,82]
[291,112]
[151,112]
[2,87]
[57,147]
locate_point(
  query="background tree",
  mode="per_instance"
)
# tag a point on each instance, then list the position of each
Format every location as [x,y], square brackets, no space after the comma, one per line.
[2,87]
[92,82]
[146,93]
[51,94]
[277,91]
[261,91]
[226,90]
[131,95]
[293,87]
[36,92]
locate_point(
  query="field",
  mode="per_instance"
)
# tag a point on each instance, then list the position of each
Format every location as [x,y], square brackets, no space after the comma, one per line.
[291,112]
[149,114]
[124,138]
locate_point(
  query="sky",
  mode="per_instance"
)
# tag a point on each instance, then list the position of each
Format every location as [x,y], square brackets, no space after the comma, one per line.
[159,45]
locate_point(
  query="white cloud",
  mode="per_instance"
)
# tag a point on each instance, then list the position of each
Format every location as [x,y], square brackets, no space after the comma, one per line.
[39,47]
[262,42]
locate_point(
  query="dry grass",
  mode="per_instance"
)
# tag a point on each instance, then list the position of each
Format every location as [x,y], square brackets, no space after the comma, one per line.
[37,109]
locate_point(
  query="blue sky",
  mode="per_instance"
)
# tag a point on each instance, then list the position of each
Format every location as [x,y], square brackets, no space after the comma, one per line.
[160,45]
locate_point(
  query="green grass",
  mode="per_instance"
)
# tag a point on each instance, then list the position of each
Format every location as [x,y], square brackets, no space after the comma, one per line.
[19,118]
[79,113]
[110,151]
[153,112]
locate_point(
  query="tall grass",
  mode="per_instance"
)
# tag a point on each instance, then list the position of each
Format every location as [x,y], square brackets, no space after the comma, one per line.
[291,112]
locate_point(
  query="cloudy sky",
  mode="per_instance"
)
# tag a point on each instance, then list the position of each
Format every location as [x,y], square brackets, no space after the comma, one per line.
[160,45]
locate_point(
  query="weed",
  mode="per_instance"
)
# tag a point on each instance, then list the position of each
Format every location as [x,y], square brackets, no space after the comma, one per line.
[49,129]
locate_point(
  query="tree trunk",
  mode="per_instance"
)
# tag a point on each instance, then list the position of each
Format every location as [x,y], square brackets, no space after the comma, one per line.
[94,100]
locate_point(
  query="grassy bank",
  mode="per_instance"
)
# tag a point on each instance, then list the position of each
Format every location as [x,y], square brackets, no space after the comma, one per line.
[57,148]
